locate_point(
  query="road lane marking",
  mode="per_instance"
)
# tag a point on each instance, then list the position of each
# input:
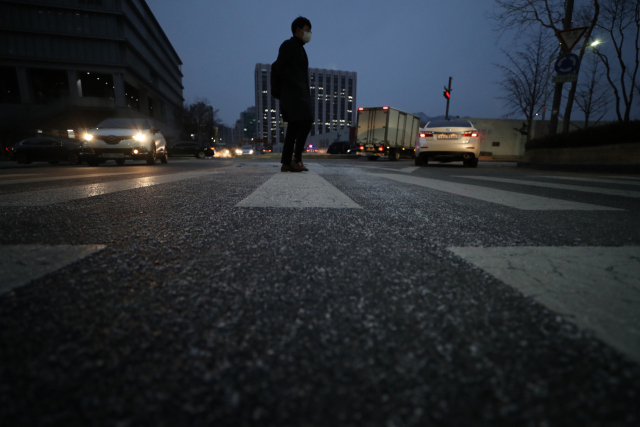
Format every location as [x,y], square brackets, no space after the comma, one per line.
[595,190]
[17,174]
[297,190]
[506,198]
[59,195]
[410,169]
[58,178]
[599,287]
[604,181]
[20,264]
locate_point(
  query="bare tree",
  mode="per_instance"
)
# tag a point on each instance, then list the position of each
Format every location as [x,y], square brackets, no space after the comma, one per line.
[621,18]
[199,119]
[592,96]
[523,15]
[526,78]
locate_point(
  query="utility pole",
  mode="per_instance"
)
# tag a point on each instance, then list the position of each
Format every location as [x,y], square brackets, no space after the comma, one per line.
[447,94]
[557,95]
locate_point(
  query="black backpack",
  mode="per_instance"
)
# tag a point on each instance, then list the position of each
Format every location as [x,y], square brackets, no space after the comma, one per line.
[276,85]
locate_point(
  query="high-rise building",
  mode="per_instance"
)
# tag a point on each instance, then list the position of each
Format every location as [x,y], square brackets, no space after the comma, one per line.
[334,102]
[66,65]
[246,125]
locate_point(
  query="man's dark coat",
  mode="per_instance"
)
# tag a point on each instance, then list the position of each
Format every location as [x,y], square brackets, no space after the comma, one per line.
[295,98]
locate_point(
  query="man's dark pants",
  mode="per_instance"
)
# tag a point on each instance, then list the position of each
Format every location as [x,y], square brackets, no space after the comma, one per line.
[297,133]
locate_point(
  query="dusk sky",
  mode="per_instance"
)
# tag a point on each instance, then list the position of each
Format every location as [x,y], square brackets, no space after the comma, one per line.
[403,51]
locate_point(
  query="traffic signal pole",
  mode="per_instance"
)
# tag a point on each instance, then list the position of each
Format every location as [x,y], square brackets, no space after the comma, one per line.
[447,94]
[557,94]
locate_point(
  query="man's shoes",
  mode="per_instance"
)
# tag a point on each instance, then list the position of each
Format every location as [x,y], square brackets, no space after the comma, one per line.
[301,165]
[293,167]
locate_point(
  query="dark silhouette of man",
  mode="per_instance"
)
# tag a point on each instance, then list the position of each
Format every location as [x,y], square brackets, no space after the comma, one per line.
[295,97]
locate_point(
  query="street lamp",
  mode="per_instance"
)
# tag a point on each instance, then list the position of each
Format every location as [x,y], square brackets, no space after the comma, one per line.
[595,43]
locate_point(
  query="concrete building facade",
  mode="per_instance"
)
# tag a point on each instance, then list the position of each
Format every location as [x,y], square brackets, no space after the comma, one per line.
[67,64]
[334,102]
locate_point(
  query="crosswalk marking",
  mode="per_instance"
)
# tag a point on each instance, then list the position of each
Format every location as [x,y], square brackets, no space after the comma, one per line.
[298,190]
[604,181]
[597,286]
[502,197]
[59,195]
[20,264]
[17,174]
[410,169]
[59,178]
[596,190]
[622,177]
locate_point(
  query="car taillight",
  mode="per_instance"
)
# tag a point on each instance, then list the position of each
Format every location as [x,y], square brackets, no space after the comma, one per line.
[471,134]
[362,148]
[213,148]
[381,148]
[426,135]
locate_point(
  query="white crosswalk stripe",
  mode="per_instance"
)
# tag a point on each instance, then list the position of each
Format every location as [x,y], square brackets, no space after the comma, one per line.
[20,264]
[600,180]
[61,178]
[298,190]
[595,190]
[502,197]
[59,195]
[598,287]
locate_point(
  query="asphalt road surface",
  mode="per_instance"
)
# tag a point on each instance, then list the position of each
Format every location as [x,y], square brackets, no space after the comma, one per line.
[223,292]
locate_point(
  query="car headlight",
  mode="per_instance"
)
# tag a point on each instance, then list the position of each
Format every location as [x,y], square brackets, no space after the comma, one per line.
[140,137]
[250,151]
[238,151]
[88,137]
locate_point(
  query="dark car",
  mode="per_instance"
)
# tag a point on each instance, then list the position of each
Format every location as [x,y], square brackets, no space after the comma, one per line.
[339,148]
[191,149]
[45,149]
[354,150]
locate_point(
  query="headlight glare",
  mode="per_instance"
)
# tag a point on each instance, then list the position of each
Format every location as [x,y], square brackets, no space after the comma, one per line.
[140,137]
[88,137]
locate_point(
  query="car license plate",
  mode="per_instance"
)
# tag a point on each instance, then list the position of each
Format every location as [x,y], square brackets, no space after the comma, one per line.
[448,136]
[113,155]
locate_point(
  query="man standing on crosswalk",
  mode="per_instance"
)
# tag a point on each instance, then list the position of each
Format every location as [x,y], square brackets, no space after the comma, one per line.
[295,96]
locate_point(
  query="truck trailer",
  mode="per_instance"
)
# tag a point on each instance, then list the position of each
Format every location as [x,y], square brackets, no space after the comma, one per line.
[386,132]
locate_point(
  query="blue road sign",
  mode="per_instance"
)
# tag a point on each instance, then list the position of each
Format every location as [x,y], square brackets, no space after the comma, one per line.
[567,63]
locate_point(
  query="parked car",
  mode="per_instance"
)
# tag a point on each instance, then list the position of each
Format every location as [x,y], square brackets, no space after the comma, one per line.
[191,149]
[339,148]
[448,141]
[45,149]
[122,139]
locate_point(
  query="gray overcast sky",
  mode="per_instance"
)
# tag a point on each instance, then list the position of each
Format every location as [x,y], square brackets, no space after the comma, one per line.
[403,50]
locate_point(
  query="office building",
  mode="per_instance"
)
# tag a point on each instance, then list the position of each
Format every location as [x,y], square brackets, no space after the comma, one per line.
[334,102]
[66,65]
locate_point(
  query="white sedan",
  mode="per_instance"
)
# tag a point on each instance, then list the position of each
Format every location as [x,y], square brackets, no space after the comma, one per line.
[448,141]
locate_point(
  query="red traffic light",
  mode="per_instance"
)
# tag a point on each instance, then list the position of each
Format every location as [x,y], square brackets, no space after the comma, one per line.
[447,94]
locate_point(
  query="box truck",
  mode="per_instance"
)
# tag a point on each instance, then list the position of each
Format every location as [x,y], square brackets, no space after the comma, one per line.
[386,132]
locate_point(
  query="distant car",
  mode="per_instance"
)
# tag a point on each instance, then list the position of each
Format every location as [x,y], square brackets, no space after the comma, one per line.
[122,139]
[312,149]
[448,141]
[265,150]
[191,149]
[245,150]
[45,149]
[339,148]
